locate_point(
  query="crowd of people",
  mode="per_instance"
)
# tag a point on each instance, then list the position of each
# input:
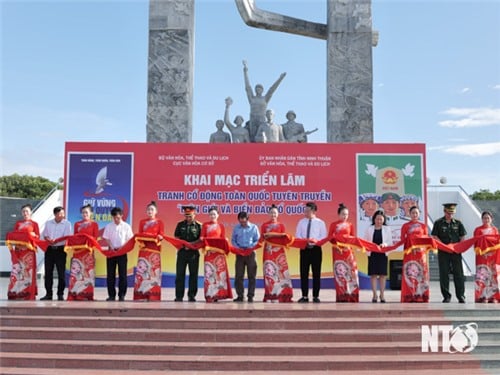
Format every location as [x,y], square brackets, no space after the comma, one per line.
[192,238]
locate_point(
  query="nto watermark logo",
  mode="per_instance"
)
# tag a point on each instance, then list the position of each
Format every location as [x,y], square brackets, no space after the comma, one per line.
[460,339]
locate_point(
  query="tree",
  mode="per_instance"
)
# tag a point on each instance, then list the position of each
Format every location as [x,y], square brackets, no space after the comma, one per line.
[485,195]
[26,186]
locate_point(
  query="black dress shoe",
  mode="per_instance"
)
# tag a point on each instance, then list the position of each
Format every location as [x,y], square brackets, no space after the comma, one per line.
[446,300]
[461,300]
[121,299]
[316,300]
[60,298]
[192,299]
[303,300]
[238,299]
[178,300]
[110,299]
[250,299]
[46,298]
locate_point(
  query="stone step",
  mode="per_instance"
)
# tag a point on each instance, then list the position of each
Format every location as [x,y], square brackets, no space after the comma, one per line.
[224,335]
[221,335]
[50,371]
[99,337]
[460,362]
[168,322]
[229,349]
[255,310]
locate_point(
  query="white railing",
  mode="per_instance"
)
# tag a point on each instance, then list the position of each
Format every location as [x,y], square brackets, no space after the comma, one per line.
[467,212]
[41,214]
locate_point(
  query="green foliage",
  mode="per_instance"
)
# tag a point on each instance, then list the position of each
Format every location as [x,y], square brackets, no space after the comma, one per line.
[25,186]
[485,195]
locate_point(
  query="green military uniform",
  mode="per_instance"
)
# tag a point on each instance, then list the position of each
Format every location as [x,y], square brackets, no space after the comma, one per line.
[190,232]
[450,232]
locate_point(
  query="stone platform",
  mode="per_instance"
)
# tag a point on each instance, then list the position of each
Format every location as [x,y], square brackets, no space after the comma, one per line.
[113,337]
[52,337]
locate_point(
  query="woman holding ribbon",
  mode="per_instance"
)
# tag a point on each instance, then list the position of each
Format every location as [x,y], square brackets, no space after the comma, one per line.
[277,281]
[380,234]
[217,285]
[415,274]
[82,267]
[345,268]
[487,261]
[147,285]
[22,283]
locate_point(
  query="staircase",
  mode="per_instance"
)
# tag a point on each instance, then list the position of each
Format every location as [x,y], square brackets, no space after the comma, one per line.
[433,266]
[134,338]
[434,269]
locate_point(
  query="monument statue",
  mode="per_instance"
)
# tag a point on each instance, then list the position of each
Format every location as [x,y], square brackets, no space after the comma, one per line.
[238,132]
[349,36]
[269,131]
[350,39]
[258,101]
[294,131]
[220,136]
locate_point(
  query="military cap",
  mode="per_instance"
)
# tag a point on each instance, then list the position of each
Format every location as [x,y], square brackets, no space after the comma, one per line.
[450,207]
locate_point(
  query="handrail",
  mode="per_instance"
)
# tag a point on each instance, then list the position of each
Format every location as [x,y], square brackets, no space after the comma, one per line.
[37,206]
[44,199]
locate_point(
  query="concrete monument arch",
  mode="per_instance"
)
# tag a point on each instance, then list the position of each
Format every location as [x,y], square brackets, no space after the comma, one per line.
[349,37]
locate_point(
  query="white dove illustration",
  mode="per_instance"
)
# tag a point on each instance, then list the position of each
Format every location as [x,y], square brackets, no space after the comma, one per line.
[408,170]
[101,180]
[371,170]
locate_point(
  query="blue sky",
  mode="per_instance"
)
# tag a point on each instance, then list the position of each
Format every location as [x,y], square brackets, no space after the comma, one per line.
[77,71]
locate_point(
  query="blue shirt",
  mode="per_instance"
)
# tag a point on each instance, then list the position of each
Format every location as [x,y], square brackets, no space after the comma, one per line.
[245,237]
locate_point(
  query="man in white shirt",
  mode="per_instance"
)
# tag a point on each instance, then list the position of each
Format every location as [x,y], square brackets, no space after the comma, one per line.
[313,229]
[55,255]
[116,234]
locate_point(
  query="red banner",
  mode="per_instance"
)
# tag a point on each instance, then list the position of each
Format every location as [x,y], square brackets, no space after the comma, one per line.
[240,177]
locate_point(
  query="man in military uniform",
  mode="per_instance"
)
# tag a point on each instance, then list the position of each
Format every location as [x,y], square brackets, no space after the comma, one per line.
[450,230]
[188,230]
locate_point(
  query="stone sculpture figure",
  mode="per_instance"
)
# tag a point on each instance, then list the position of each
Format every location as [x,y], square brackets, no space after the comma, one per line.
[350,39]
[294,131]
[238,132]
[258,101]
[220,136]
[269,132]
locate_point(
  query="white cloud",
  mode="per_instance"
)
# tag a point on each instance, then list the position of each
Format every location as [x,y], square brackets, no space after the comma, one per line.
[479,149]
[471,117]
[435,148]
[496,87]
[464,90]
[35,163]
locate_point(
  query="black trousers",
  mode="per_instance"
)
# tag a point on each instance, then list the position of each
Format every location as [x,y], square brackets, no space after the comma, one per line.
[310,258]
[190,258]
[251,266]
[55,256]
[111,264]
[446,262]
